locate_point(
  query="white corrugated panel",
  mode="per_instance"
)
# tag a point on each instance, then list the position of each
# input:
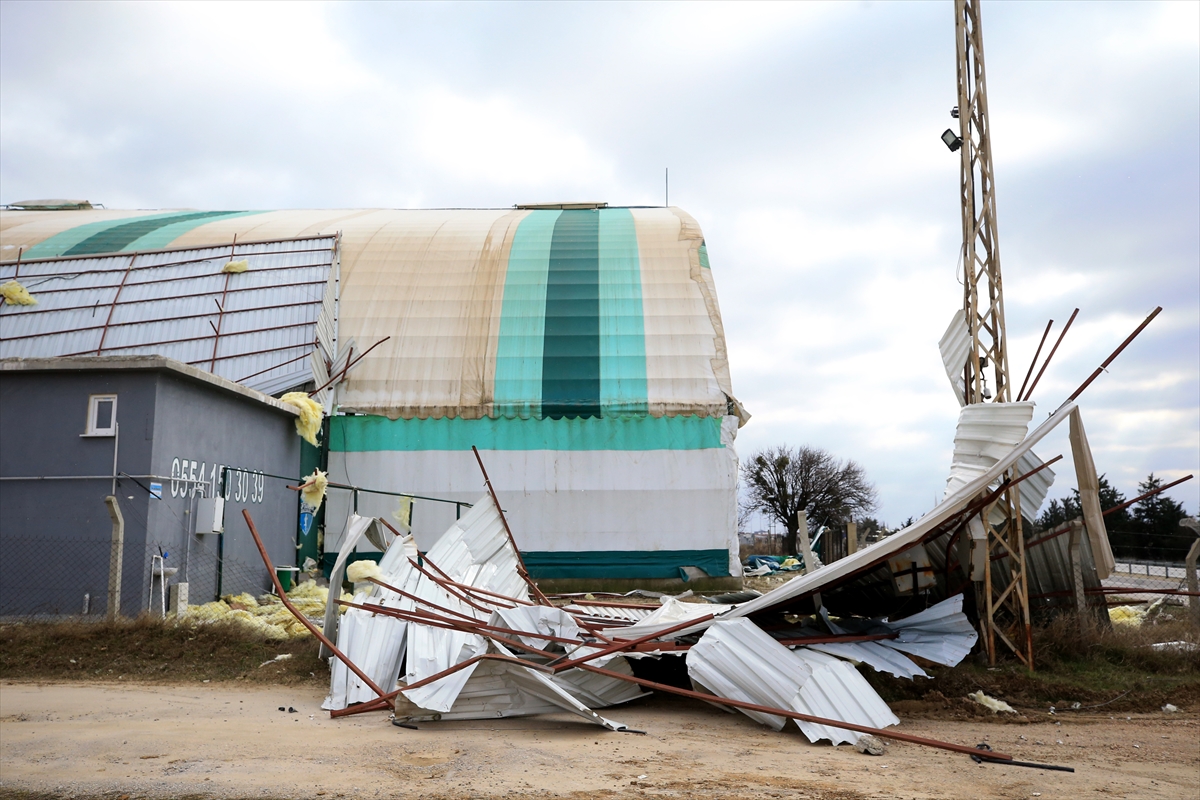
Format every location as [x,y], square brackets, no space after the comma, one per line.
[1033,490]
[257,327]
[504,689]
[986,432]
[838,571]
[474,551]
[735,659]
[600,691]
[941,633]
[955,347]
[874,655]
[837,691]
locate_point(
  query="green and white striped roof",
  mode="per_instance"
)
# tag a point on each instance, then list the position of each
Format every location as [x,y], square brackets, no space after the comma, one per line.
[530,314]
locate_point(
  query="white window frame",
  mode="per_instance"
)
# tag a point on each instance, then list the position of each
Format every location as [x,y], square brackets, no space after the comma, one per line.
[94,401]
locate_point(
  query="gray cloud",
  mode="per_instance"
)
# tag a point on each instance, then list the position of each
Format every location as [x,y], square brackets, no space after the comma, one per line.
[802,137]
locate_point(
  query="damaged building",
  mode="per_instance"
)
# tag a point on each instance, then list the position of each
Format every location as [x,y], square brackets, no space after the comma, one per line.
[580,347]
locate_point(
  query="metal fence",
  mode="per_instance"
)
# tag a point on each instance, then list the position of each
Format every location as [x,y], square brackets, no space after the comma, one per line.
[73,562]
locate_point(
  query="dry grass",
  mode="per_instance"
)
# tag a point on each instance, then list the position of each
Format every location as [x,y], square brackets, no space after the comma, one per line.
[148,649]
[1073,663]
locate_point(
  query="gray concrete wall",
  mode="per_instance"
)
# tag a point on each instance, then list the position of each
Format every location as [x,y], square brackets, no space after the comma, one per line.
[201,431]
[54,535]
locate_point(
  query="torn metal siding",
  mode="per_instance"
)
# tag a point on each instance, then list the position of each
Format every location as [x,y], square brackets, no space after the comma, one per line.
[949,510]
[836,690]
[257,327]
[736,659]
[955,347]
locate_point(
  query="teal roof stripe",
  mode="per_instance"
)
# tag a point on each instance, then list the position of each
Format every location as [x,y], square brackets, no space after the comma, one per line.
[704,255]
[622,325]
[571,349]
[518,383]
[59,243]
[361,434]
[548,564]
[162,237]
[153,232]
[120,237]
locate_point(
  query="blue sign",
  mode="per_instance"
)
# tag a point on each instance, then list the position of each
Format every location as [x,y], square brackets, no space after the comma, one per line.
[306,521]
[156,491]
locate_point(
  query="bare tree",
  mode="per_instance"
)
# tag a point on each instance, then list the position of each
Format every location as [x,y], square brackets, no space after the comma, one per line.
[781,481]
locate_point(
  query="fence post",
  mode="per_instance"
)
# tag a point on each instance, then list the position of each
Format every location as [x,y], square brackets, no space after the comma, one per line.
[1077,566]
[1189,565]
[806,549]
[851,538]
[115,557]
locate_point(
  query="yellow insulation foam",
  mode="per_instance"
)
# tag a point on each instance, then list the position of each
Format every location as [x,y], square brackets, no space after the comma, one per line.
[313,489]
[308,424]
[16,295]
[236,266]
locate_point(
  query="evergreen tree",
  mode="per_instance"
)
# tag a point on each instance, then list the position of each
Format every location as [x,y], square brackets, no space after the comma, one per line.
[1156,520]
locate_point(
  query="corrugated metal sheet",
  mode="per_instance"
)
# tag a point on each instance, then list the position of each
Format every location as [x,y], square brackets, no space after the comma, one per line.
[941,633]
[258,327]
[735,659]
[837,573]
[837,691]
[955,347]
[986,432]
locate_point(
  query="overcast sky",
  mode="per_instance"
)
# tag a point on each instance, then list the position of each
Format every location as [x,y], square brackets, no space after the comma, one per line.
[802,137]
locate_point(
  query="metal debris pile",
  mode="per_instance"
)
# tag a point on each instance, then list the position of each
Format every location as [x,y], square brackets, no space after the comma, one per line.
[462,632]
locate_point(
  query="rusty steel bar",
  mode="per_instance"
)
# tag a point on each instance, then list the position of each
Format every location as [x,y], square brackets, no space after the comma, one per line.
[641,606]
[783,712]
[457,594]
[111,308]
[436,621]
[420,600]
[1120,590]
[262,550]
[350,364]
[1060,531]
[1150,493]
[1037,353]
[273,366]
[474,589]
[1053,350]
[511,539]
[1115,353]
[618,646]
[378,703]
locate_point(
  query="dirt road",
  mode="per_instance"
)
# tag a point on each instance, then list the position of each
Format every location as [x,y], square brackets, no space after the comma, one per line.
[227,740]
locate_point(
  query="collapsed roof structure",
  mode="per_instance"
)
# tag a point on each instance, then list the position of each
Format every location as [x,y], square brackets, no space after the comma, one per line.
[580,346]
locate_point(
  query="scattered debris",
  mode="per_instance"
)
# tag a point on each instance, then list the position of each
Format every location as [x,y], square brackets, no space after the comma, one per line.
[1179,647]
[1170,709]
[870,745]
[1132,616]
[276,659]
[991,702]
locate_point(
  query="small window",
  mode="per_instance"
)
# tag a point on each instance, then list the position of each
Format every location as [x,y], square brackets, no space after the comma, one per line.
[102,415]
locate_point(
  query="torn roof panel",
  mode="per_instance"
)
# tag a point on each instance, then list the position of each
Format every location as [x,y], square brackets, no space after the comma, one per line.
[949,510]
[836,690]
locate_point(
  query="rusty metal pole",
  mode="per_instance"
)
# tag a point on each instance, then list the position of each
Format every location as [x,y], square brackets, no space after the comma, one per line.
[262,551]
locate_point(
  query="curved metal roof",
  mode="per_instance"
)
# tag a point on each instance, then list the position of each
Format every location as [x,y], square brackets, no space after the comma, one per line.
[530,312]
